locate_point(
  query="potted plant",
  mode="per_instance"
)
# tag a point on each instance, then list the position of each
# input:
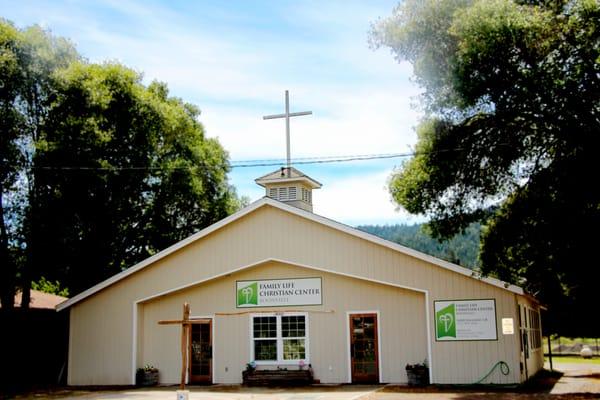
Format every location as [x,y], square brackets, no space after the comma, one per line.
[147,376]
[418,374]
[250,368]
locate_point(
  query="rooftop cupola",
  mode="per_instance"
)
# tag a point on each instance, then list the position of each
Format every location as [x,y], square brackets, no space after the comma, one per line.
[290,186]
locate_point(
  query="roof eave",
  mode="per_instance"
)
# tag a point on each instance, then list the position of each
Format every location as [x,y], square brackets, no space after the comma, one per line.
[311,182]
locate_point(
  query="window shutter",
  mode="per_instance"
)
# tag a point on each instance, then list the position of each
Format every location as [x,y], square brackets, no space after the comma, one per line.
[283,194]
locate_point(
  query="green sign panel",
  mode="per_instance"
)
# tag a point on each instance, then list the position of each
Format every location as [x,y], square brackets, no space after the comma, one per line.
[446,322]
[248,295]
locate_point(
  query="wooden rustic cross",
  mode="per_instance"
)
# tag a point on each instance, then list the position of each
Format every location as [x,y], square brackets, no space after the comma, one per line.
[185,323]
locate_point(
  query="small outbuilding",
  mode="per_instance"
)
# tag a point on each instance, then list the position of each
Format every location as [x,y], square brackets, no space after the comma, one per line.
[279,286]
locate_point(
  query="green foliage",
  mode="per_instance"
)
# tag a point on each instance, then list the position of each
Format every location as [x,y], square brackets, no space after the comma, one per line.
[512,94]
[145,175]
[98,170]
[46,286]
[27,59]
[462,249]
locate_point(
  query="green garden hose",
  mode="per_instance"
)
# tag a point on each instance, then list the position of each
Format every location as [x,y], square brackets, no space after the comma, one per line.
[504,369]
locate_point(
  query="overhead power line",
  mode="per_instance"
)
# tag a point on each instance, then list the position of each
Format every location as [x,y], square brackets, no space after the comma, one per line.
[244,163]
[317,160]
[263,163]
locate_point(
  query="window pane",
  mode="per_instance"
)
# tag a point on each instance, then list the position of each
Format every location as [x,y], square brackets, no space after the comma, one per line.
[293,349]
[293,326]
[265,350]
[265,327]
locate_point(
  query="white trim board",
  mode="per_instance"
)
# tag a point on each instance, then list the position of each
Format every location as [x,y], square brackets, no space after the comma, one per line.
[296,211]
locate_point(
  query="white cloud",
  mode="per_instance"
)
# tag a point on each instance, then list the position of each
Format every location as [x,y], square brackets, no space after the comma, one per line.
[360,199]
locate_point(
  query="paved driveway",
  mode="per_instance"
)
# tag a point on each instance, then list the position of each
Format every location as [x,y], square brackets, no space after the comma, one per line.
[578,378]
[349,392]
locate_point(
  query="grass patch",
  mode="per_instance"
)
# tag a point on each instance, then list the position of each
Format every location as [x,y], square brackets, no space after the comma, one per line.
[574,360]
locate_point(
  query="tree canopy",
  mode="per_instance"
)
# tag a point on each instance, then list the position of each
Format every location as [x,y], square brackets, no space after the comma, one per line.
[512,101]
[99,170]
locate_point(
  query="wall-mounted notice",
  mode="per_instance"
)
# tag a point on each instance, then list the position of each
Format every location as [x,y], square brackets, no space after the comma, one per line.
[278,292]
[508,326]
[465,320]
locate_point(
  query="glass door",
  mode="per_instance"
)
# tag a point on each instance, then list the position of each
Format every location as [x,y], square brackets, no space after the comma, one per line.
[364,354]
[201,353]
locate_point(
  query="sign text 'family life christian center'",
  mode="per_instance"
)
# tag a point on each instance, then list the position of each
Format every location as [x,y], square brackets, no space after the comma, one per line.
[465,320]
[279,292]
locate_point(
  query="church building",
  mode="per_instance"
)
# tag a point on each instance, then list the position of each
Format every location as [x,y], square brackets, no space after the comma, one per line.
[278,286]
[275,286]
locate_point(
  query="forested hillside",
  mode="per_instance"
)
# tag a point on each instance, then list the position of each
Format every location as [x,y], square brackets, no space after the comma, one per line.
[461,249]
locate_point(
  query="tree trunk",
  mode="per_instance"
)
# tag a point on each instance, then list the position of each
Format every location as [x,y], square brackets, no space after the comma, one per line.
[31,222]
[8,270]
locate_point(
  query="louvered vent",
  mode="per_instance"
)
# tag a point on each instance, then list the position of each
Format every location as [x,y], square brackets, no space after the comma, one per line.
[305,195]
[292,193]
[283,194]
[273,193]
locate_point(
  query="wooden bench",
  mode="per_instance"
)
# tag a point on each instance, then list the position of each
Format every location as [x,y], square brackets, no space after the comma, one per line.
[278,377]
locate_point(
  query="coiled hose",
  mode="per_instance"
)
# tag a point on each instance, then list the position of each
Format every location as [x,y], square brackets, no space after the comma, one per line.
[504,370]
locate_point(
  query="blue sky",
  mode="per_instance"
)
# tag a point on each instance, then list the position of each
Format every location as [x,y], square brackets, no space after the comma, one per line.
[235,59]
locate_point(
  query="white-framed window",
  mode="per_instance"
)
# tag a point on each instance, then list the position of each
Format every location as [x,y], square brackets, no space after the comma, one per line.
[535,330]
[279,338]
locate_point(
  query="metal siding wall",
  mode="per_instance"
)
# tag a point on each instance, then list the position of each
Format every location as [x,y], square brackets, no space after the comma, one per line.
[102,323]
[402,323]
[101,341]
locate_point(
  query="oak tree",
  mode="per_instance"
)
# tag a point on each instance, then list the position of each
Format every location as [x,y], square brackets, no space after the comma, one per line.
[512,101]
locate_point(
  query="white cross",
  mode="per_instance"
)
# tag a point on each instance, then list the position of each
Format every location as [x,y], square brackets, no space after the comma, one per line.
[287,116]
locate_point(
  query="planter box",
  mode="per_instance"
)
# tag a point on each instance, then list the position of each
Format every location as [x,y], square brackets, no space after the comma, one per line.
[147,378]
[418,376]
[282,377]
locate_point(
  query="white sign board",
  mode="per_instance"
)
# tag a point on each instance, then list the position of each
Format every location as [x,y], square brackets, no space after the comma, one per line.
[508,326]
[278,292]
[457,320]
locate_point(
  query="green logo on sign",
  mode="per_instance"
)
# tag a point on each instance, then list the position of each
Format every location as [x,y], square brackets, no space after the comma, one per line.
[248,295]
[446,322]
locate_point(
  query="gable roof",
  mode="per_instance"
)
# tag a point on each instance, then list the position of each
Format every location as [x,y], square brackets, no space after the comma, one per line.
[266,201]
[40,299]
[287,174]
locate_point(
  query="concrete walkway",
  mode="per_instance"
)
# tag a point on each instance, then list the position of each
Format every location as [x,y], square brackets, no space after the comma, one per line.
[577,378]
[236,392]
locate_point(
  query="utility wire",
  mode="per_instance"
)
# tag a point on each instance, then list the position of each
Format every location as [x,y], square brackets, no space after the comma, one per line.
[322,160]
[243,163]
[260,163]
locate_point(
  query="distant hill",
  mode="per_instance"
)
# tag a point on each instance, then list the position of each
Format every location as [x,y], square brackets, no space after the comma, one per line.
[461,249]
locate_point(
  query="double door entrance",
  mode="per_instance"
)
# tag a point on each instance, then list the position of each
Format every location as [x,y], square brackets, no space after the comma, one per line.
[364,348]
